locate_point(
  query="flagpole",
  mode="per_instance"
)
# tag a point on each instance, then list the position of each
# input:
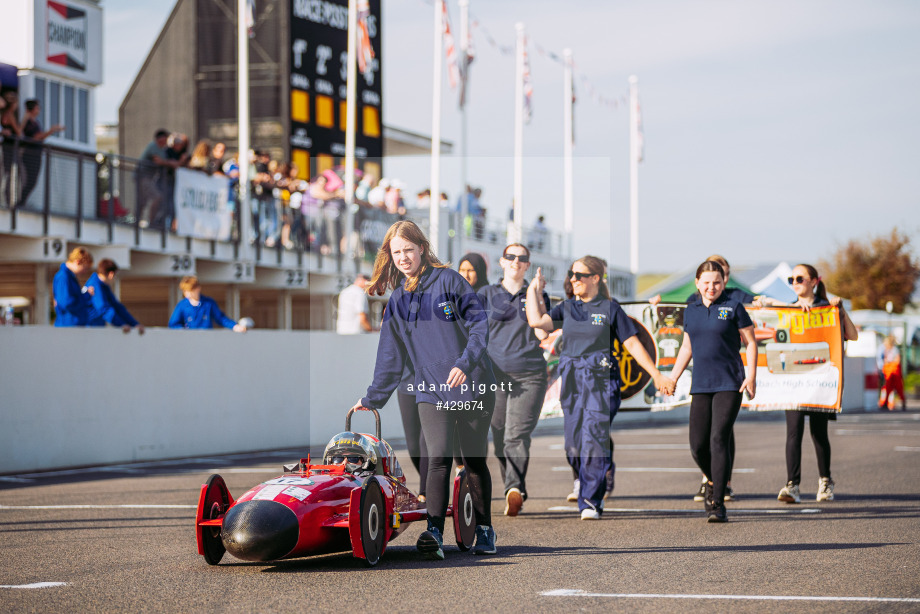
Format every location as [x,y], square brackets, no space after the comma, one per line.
[634,174]
[435,200]
[243,139]
[464,51]
[351,99]
[518,137]
[567,174]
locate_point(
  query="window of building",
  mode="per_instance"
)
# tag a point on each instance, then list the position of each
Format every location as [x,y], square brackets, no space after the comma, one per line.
[40,96]
[54,104]
[83,116]
[70,115]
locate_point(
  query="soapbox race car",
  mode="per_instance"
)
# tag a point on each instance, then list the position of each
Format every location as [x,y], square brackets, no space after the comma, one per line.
[355,500]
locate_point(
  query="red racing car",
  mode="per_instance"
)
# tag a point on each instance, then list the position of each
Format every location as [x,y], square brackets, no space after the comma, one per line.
[355,500]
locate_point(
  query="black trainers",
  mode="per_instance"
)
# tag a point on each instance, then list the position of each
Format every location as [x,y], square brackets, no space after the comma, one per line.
[707,497]
[431,544]
[718,513]
[485,540]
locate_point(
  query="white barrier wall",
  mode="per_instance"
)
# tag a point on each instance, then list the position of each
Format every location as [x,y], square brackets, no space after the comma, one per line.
[72,397]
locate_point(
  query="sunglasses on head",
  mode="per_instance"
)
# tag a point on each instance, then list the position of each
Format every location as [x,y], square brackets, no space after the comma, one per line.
[521,257]
[796,280]
[578,276]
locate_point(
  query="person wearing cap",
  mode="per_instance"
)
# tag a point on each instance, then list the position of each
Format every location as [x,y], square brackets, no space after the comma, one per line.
[354,309]
[71,304]
[104,307]
[199,311]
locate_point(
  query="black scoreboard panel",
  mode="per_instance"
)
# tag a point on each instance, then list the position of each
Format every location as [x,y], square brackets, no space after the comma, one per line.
[319,55]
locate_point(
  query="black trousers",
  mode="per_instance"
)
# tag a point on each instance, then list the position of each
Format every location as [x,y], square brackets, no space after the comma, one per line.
[472,425]
[712,416]
[795,430]
[415,440]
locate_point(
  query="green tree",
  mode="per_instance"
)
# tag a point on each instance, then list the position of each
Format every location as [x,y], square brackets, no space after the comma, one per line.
[872,273]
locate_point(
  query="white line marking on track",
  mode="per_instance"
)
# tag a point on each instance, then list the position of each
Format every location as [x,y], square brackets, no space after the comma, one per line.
[573,508]
[15,480]
[249,470]
[97,507]
[906,449]
[873,432]
[657,469]
[567,592]
[652,446]
[34,585]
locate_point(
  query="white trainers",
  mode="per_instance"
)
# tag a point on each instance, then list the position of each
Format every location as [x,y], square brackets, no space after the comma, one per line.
[789,493]
[589,514]
[573,496]
[700,495]
[514,501]
[825,490]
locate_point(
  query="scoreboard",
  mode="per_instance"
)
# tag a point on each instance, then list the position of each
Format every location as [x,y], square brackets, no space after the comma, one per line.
[319,68]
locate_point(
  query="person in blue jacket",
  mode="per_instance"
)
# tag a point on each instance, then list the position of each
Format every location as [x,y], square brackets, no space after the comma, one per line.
[517,360]
[198,311]
[435,320]
[591,323]
[71,305]
[104,307]
[711,338]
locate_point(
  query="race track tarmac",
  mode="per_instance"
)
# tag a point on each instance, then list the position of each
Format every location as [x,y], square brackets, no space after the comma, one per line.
[122,538]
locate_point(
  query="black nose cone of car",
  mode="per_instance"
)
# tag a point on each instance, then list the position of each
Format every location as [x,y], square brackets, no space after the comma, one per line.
[260,530]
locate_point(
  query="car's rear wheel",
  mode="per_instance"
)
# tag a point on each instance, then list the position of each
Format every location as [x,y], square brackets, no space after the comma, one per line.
[463,512]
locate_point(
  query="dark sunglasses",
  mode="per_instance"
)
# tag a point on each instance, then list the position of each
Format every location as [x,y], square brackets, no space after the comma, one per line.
[522,258]
[578,276]
[796,280]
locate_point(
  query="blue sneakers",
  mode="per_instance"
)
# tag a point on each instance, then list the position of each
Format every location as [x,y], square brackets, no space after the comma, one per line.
[431,543]
[485,540]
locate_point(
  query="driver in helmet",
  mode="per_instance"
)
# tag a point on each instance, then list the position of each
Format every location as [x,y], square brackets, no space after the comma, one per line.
[352,450]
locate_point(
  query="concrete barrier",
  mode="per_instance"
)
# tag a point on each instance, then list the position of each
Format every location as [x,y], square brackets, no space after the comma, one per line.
[73,397]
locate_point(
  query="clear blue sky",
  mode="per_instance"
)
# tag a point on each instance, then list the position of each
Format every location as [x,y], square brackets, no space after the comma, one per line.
[774,130]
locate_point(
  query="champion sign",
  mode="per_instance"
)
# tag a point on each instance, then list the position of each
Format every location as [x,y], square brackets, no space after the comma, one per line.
[67,33]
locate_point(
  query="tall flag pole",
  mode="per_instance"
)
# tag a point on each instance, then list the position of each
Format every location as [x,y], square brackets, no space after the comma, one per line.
[635,157]
[243,140]
[519,112]
[351,118]
[434,208]
[466,56]
[568,143]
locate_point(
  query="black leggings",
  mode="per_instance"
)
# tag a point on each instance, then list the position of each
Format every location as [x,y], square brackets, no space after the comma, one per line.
[795,429]
[472,425]
[712,416]
[415,440]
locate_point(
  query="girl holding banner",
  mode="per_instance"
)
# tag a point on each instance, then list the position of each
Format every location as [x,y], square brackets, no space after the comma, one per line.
[591,322]
[808,286]
[711,337]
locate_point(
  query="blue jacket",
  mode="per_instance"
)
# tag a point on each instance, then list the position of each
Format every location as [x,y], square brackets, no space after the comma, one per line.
[104,307]
[186,315]
[441,325]
[70,304]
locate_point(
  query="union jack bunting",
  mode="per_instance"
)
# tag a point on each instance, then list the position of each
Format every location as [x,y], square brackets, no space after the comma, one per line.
[528,87]
[453,69]
[365,49]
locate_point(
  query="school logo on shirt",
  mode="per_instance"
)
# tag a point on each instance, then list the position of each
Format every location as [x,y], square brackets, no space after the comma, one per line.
[597,319]
[448,310]
[725,313]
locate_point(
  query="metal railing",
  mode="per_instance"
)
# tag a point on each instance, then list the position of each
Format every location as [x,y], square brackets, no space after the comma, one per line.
[118,190]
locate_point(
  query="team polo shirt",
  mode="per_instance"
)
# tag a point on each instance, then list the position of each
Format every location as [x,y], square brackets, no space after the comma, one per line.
[716,343]
[513,346]
[591,326]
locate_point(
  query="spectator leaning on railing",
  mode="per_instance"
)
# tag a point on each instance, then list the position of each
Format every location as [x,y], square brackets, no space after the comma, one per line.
[32,147]
[10,130]
[147,175]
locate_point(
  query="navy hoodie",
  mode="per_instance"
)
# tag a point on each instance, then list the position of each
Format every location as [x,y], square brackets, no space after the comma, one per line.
[70,304]
[441,325]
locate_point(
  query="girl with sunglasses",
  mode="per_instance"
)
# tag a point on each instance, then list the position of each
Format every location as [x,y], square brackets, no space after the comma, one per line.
[811,292]
[520,369]
[435,321]
[711,338]
[591,323]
